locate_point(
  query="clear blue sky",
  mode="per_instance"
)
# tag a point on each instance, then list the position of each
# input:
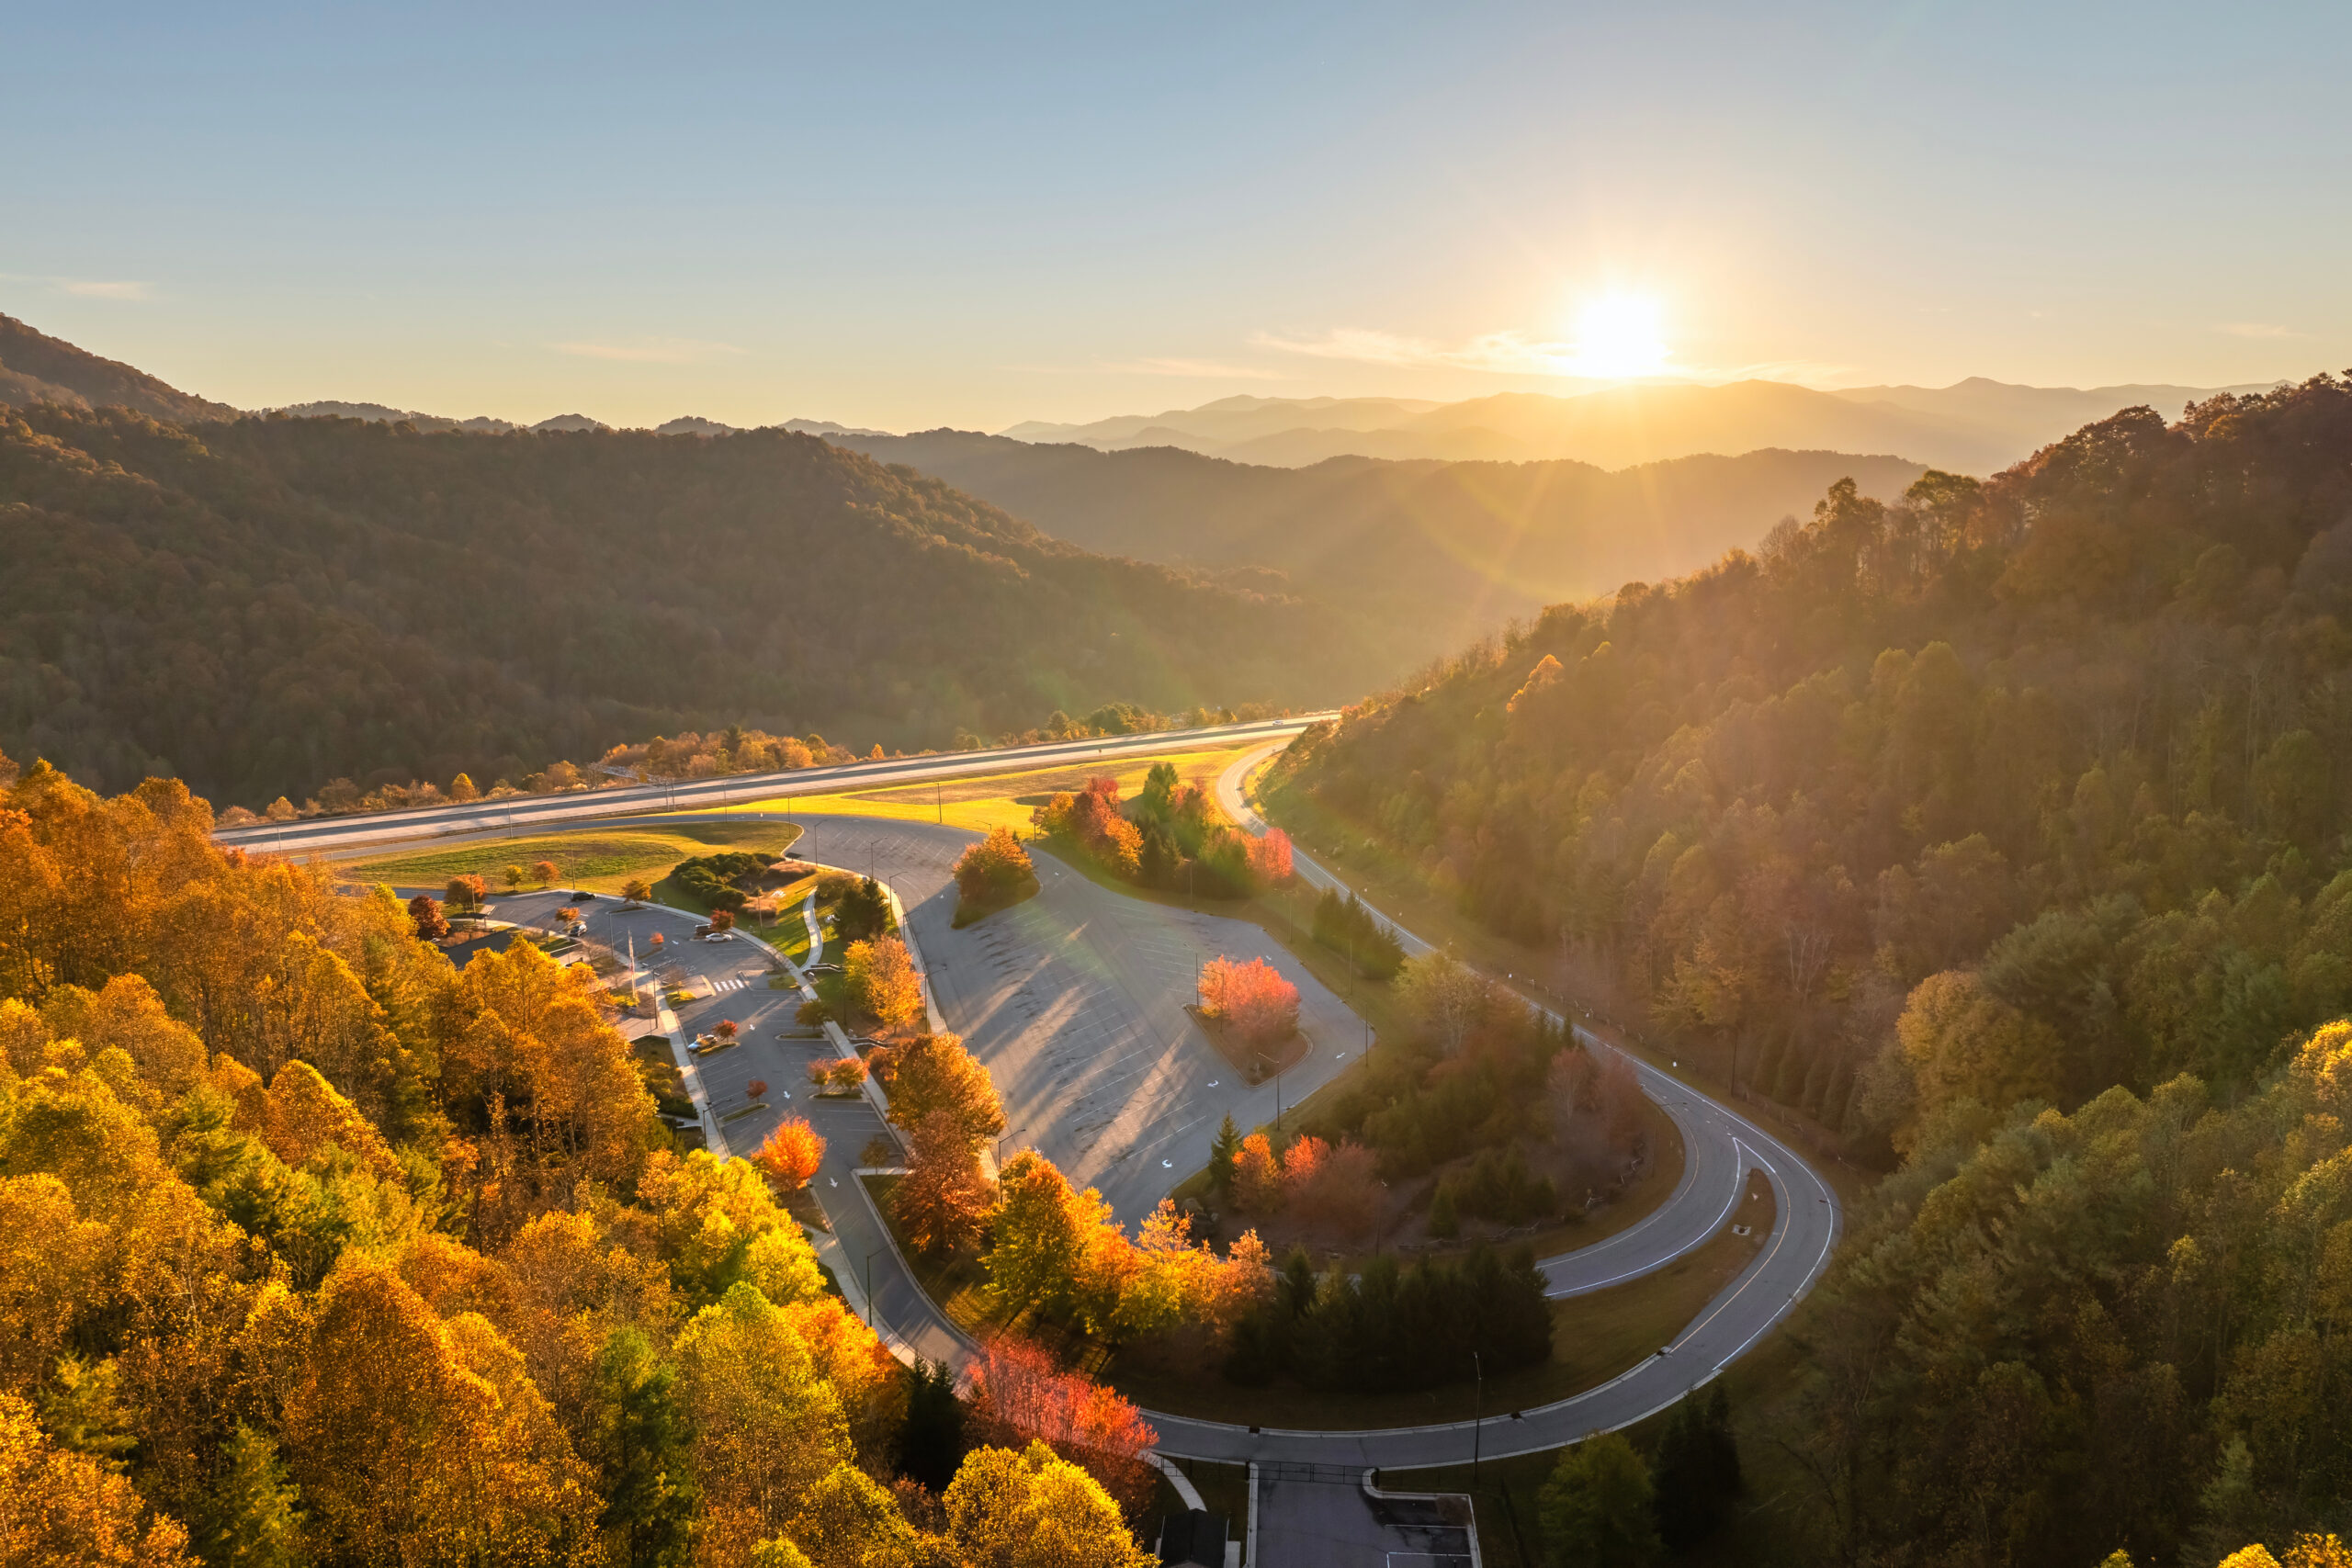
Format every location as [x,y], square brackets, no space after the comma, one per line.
[908,217]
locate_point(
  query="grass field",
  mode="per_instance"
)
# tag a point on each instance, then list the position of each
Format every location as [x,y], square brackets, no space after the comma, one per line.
[1594,1337]
[598,861]
[992,800]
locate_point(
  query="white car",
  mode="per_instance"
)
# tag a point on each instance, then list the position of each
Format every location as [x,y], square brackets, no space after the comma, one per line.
[720,936]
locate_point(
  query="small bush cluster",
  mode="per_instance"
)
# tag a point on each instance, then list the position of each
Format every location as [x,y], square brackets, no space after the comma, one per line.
[709,879]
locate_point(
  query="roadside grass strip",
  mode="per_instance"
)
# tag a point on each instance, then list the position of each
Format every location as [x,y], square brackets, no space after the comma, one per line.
[993,800]
[597,861]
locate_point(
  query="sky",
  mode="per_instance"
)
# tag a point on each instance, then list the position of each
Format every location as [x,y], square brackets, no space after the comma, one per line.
[906,217]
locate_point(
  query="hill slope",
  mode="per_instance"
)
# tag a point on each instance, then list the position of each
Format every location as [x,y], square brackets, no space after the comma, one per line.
[1438,553]
[2006,828]
[37,369]
[263,605]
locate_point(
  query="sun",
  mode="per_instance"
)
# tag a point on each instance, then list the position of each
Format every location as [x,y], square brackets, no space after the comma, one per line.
[1618,337]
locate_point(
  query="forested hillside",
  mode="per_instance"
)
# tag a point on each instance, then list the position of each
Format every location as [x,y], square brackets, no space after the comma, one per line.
[315,1249]
[261,606]
[37,369]
[1434,553]
[2002,829]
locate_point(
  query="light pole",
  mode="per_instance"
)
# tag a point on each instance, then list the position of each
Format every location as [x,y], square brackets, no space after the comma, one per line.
[1477,1414]
[1001,1142]
[873,1313]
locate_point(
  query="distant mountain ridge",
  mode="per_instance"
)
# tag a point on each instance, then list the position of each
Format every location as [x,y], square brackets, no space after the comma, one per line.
[1976,427]
[1432,553]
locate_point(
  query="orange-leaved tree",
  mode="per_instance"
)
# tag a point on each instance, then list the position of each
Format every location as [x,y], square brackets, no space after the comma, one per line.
[1257,1177]
[792,1154]
[935,1072]
[995,870]
[1019,1395]
[545,872]
[1251,998]
[942,1202]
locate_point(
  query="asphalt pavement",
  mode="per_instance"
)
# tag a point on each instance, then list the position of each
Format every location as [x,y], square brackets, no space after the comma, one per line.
[1075,1002]
[541,813]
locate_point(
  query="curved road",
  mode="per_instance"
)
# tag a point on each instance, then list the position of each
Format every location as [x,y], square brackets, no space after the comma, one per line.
[1074,1001]
[1722,1148]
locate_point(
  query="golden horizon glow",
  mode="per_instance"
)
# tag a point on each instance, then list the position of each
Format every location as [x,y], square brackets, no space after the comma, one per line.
[1620,336]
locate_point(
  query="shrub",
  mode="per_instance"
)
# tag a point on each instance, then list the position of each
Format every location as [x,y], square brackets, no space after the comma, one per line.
[1333,1186]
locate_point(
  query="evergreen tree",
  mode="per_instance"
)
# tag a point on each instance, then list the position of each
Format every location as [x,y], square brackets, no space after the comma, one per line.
[1443,1222]
[1221,1153]
[643,1447]
[931,1443]
[1696,1470]
[255,1522]
[83,1411]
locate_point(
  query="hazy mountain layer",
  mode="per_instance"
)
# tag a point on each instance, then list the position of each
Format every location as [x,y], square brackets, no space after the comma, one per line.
[1435,552]
[1974,426]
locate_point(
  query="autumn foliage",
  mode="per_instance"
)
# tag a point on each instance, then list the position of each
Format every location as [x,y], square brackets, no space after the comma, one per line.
[878,981]
[993,872]
[1251,998]
[791,1154]
[1019,1395]
[943,1200]
[320,1250]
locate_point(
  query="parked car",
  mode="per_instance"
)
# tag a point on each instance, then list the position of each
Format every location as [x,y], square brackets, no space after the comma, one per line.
[580,896]
[703,929]
[720,936]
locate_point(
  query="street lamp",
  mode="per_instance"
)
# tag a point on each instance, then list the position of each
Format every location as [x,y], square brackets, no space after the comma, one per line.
[1477,1415]
[1006,1139]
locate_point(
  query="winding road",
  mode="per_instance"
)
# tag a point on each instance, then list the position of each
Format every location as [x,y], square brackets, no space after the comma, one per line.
[1074,1000]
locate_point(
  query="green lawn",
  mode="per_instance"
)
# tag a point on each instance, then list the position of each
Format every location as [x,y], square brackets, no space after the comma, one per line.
[1594,1337]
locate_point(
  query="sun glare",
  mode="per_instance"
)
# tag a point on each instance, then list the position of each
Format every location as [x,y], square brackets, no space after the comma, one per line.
[1618,337]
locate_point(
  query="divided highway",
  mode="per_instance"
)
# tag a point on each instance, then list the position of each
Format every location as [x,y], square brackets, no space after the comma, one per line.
[326,834]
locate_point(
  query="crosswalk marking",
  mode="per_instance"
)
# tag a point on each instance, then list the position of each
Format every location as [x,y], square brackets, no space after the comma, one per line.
[719,986]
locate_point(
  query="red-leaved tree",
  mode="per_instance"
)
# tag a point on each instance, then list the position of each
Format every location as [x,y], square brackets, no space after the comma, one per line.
[1252,998]
[1019,1393]
[1269,858]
